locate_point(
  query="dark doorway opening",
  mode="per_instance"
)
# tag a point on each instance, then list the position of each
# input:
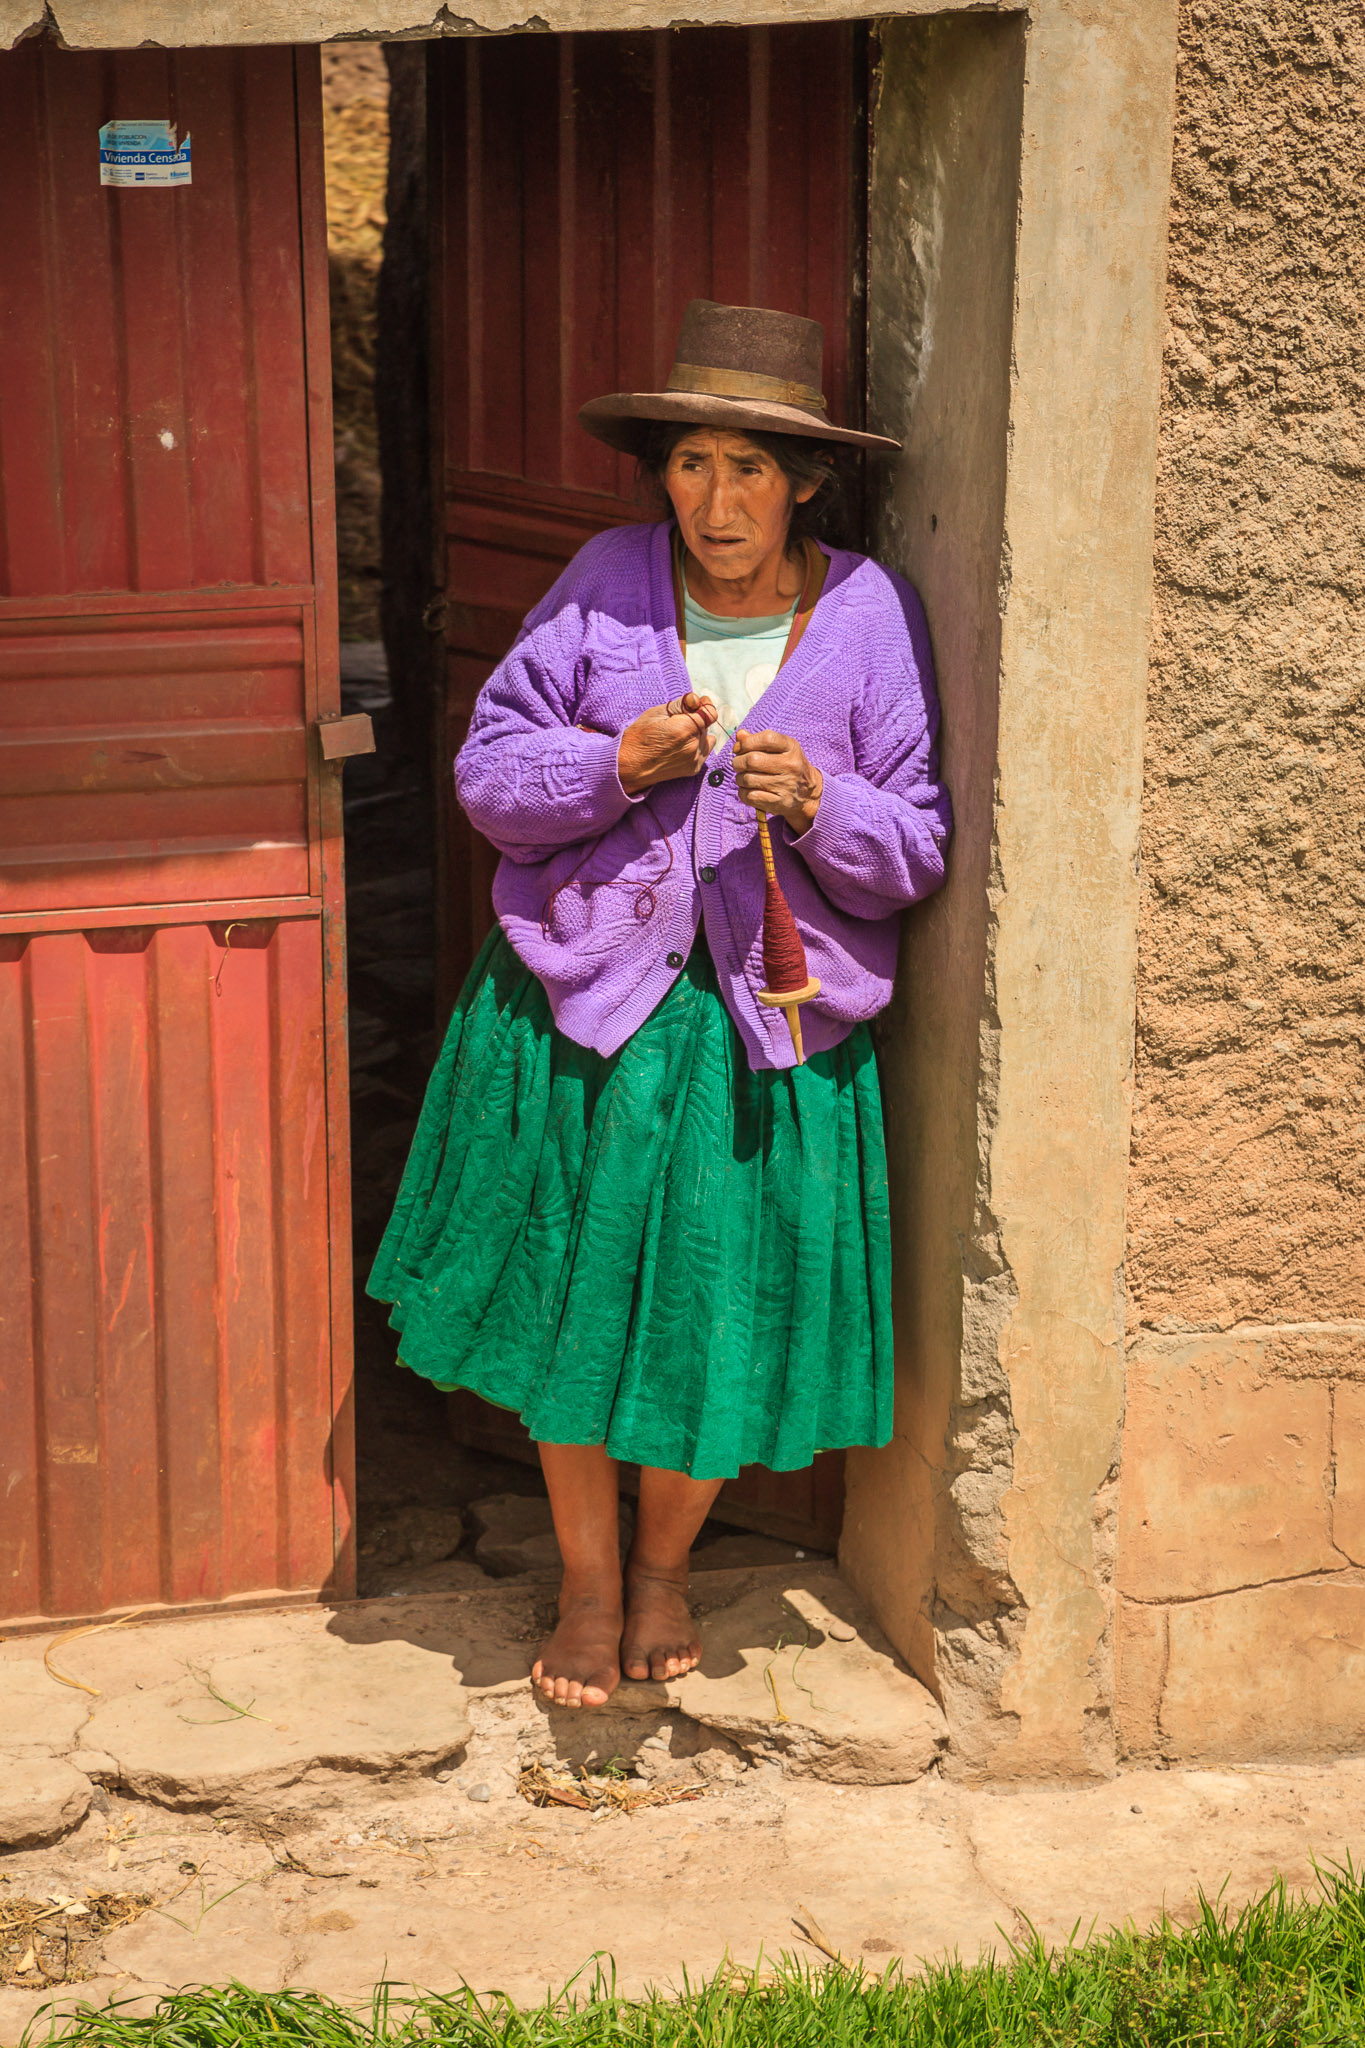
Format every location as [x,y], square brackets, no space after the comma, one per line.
[515,224]
[414,1483]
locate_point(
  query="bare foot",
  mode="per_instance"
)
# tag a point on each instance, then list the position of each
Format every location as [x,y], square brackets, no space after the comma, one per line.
[578,1666]
[660,1638]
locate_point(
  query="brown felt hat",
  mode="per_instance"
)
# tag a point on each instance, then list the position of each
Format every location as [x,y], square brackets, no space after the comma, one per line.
[742,367]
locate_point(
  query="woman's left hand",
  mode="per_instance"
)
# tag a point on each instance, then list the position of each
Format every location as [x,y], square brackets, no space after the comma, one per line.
[773,774]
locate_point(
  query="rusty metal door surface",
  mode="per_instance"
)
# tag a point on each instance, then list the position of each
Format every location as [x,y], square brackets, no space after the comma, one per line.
[174,1288]
[585,187]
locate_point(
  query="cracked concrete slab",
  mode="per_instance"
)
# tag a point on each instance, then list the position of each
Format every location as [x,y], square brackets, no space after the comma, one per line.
[799,1670]
[234,1732]
[639,1730]
[233,1712]
[38,1715]
[40,1797]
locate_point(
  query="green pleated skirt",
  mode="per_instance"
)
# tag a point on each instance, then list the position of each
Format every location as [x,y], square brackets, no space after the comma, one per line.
[664,1251]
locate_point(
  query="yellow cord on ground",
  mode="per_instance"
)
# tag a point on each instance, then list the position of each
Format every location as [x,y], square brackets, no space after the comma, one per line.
[93,1628]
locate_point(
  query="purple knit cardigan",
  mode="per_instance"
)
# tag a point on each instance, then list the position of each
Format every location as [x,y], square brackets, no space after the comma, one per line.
[601,893]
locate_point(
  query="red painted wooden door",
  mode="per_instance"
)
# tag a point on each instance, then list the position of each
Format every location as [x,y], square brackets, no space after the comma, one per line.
[586,187]
[174,1306]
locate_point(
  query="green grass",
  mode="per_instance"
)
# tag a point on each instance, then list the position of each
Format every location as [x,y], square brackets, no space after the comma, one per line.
[1281,1973]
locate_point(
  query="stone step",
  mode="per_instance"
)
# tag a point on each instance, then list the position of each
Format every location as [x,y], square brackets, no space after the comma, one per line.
[230,1712]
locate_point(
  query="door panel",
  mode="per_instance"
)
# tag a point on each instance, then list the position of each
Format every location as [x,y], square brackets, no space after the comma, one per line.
[584,189]
[153,759]
[166,1283]
[174,1297]
[152,353]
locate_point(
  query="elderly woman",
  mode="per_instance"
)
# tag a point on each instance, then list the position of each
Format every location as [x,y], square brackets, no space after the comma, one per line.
[629,1213]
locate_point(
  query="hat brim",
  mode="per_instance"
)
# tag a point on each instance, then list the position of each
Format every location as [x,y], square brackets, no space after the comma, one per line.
[622,418]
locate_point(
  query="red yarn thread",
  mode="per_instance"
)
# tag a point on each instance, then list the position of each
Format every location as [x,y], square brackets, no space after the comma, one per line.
[784,956]
[646,901]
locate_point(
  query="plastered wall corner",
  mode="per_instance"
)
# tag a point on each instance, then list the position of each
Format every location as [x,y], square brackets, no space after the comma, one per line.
[1024,383]
[943,218]
[1078,535]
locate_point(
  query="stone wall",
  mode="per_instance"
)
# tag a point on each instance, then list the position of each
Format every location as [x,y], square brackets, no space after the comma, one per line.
[1242,1516]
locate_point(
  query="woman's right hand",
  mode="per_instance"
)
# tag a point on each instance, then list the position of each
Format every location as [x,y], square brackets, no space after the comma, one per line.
[666,743]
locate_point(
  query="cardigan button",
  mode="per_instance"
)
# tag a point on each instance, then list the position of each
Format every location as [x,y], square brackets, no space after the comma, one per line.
[716,777]
[675,959]
[708,874]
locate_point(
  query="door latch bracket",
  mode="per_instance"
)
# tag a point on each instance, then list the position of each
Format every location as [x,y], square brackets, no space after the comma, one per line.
[342,737]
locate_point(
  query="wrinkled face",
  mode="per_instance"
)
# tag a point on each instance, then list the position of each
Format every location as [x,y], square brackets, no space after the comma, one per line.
[733,503]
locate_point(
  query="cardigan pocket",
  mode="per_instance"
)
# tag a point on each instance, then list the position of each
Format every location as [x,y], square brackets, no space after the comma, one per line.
[633,874]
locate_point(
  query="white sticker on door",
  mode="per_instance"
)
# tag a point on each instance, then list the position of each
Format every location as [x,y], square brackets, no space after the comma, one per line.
[143,153]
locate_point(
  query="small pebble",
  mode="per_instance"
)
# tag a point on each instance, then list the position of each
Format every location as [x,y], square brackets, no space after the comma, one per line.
[444,1777]
[1135,1809]
[480,1793]
[800,1553]
[354,1841]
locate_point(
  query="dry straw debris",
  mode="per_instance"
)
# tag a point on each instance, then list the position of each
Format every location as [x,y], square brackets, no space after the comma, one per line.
[594,1792]
[47,1940]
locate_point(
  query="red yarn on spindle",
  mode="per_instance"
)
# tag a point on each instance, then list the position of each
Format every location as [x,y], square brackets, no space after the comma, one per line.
[784,956]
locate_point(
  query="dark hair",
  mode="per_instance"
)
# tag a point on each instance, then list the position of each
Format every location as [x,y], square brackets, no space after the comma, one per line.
[801,462]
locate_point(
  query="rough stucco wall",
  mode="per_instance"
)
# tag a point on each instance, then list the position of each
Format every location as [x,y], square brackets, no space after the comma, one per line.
[1247,1195]
[1248,1192]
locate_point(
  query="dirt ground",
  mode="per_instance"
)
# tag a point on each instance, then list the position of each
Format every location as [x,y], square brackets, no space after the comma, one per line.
[329,1799]
[433,1888]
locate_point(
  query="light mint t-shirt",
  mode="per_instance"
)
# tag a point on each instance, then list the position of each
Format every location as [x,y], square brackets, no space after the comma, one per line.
[732,661]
